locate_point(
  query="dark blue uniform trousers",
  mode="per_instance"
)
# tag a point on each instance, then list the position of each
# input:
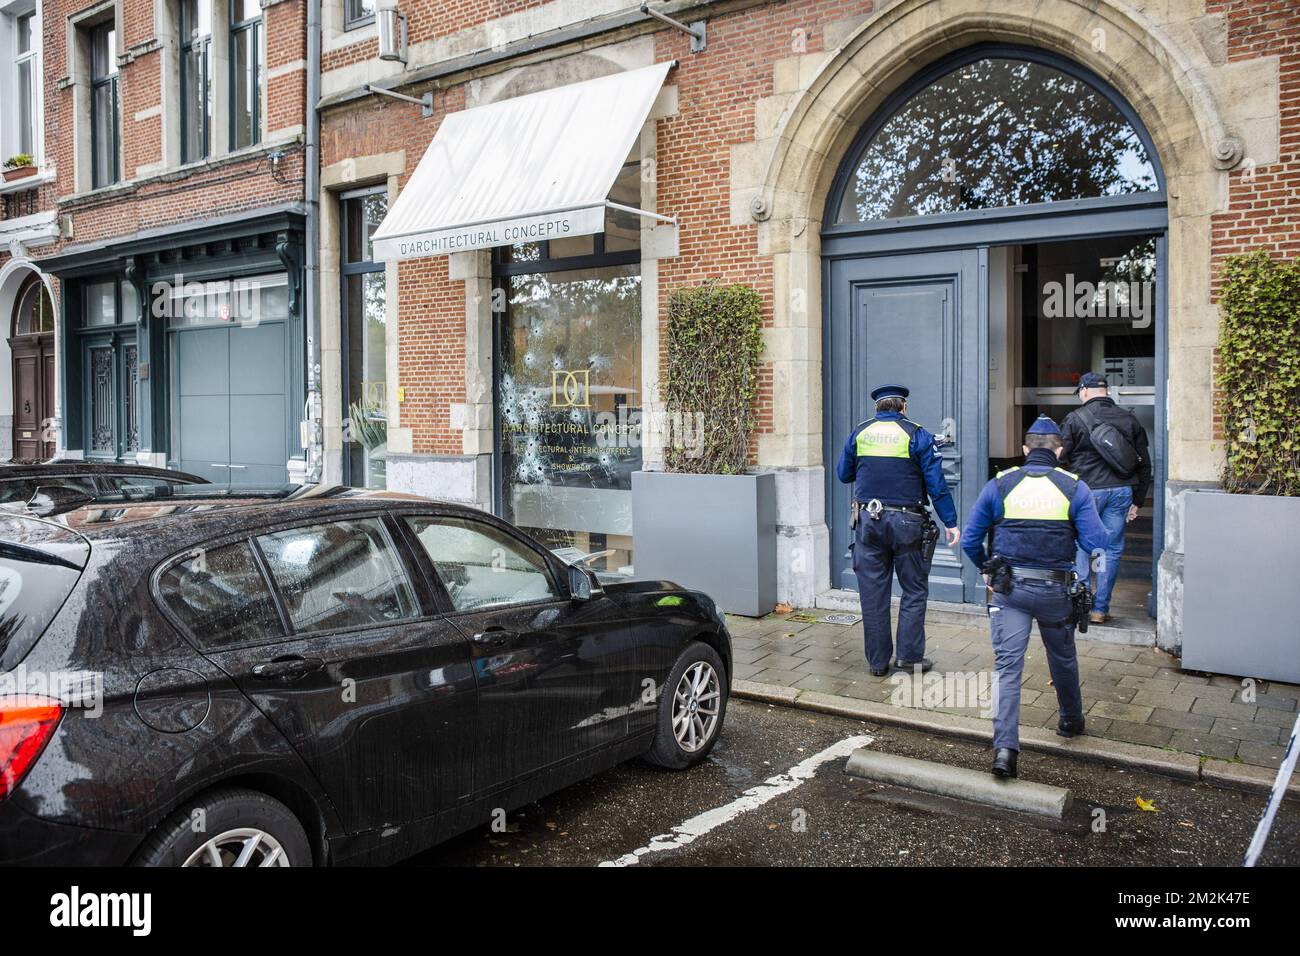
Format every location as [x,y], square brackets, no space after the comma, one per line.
[882,546]
[1010,618]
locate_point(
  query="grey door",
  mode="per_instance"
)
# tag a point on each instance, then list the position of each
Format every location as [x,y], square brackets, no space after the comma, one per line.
[915,320]
[231,404]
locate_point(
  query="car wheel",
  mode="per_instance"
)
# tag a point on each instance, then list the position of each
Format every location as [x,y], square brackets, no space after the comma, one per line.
[231,827]
[691,709]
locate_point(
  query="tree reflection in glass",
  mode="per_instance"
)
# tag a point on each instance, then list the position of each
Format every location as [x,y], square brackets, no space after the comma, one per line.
[996,133]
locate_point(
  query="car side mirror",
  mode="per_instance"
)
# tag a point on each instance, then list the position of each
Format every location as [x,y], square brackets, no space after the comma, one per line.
[580,587]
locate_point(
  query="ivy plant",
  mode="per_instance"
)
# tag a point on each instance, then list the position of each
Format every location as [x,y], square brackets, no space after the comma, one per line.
[1259,374]
[713,346]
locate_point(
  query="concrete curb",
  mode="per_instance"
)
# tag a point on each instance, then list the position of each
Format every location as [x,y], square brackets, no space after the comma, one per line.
[1170,763]
[961,783]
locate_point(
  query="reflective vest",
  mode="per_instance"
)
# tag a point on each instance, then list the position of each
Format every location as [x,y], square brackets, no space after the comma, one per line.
[886,469]
[1035,530]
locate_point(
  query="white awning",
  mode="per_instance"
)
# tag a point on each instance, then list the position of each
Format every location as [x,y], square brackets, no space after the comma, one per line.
[538,166]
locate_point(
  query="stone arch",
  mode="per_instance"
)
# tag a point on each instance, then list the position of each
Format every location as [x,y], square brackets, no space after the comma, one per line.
[13,275]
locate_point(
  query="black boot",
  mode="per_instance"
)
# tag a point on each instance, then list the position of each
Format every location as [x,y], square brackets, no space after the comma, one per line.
[924,663]
[1069,727]
[1004,762]
[880,671]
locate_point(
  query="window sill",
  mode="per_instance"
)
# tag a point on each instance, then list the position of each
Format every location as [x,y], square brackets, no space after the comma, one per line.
[27,182]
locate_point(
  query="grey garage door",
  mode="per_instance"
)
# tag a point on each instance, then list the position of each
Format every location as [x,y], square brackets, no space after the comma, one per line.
[231,404]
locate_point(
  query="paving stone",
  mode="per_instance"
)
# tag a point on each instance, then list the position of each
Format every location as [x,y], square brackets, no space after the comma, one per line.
[820,682]
[743,655]
[1245,730]
[1179,720]
[827,668]
[778,676]
[1275,718]
[1116,695]
[1262,755]
[1278,689]
[818,653]
[1106,708]
[1172,673]
[1124,667]
[1219,708]
[1272,701]
[1134,733]
[1166,701]
[1110,652]
[865,690]
[787,662]
[1035,716]
[1149,683]
[1225,748]
[741,671]
[1208,691]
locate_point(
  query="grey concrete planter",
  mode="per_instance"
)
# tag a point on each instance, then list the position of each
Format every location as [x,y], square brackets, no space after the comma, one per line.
[714,533]
[1241,572]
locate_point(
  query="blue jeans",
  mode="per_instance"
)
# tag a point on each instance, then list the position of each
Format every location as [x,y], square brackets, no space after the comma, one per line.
[1112,506]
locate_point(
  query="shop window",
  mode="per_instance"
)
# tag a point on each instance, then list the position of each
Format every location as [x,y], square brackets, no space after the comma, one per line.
[568,390]
[997,132]
[246,73]
[358,13]
[105,124]
[364,315]
[196,79]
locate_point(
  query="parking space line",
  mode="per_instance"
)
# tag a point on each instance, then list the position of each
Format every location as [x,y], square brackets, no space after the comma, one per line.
[751,799]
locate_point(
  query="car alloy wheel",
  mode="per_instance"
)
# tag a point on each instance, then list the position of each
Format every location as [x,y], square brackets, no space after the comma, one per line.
[245,846]
[695,706]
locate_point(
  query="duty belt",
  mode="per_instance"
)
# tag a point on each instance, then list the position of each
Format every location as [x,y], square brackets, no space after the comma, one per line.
[1042,574]
[875,506]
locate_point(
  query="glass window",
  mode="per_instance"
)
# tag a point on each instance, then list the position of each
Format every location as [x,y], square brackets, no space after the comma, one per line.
[357,12]
[622,228]
[28,76]
[196,79]
[342,574]
[569,406]
[249,300]
[221,597]
[35,311]
[103,106]
[996,133]
[481,566]
[101,303]
[39,566]
[365,302]
[245,73]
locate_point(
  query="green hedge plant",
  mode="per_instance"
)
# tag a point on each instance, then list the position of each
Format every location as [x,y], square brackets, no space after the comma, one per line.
[1259,374]
[713,347]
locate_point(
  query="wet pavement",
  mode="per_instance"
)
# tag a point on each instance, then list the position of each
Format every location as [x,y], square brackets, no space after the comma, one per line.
[833,819]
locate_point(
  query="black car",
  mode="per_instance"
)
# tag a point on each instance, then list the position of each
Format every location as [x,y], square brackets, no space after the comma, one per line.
[19,482]
[323,676]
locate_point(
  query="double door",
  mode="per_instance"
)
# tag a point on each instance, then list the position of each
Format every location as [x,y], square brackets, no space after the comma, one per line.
[33,377]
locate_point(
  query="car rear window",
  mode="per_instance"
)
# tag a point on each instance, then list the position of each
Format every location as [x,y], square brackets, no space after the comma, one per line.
[221,597]
[22,489]
[39,566]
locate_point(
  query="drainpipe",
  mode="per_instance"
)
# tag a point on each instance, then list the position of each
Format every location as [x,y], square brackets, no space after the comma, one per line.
[311,280]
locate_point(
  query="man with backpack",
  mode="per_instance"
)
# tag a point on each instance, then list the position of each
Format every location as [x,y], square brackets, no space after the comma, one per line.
[1107,447]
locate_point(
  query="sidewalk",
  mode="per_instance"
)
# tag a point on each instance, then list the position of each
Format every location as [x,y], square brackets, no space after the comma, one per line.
[1131,694]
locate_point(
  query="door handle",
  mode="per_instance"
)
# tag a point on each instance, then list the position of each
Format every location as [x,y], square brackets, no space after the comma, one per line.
[287,668]
[492,636]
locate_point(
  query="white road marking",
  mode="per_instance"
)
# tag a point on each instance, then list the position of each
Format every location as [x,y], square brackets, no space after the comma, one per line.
[751,799]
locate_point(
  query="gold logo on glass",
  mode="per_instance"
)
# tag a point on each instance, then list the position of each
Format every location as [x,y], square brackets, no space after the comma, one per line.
[571,389]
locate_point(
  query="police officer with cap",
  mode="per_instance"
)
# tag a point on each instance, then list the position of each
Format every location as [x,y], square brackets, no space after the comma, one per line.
[895,470]
[1037,512]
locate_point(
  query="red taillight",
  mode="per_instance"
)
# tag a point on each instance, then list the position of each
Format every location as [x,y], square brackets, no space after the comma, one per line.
[26,725]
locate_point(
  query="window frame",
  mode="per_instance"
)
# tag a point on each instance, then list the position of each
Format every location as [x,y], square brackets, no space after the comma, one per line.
[352,23]
[347,270]
[190,44]
[119,337]
[174,619]
[31,56]
[107,29]
[237,28]
[559,581]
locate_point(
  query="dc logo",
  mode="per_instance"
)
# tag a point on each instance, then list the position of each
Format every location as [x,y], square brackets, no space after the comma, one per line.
[571,389]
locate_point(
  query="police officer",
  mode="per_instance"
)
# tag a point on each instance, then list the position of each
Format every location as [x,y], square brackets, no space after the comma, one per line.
[894,469]
[1037,513]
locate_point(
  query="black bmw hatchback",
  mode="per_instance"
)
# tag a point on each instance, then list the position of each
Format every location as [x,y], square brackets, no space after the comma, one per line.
[193,678]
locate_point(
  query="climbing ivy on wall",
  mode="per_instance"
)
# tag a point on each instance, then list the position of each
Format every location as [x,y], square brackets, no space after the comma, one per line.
[713,345]
[1259,374]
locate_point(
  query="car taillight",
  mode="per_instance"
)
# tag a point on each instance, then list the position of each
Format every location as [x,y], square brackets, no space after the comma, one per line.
[26,725]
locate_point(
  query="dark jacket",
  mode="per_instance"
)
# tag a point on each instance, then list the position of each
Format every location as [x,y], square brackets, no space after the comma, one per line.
[1080,457]
[925,461]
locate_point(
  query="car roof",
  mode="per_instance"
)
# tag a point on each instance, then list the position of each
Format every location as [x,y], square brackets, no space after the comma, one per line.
[176,519]
[11,471]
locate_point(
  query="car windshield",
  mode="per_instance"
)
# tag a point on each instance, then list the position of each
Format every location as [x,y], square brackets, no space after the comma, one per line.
[40,563]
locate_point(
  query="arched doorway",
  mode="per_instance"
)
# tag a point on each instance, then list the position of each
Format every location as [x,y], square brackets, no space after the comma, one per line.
[31,345]
[996,229]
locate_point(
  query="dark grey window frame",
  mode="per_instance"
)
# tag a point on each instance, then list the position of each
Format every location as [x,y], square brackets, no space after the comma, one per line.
[101,177]
[346,270]
[351,22]
[253,26]
[120,338]
[188,45]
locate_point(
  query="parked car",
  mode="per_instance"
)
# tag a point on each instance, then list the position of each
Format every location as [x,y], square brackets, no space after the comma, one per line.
[319,676]
[18,482]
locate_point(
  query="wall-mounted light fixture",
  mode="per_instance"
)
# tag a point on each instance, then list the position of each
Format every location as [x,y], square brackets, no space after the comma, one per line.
[391,24]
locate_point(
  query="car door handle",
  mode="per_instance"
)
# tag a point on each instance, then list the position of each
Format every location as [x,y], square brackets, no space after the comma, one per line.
[493,635]
[287,668]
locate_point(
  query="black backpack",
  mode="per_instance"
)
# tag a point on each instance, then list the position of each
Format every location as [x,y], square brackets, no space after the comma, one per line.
[1114,447]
